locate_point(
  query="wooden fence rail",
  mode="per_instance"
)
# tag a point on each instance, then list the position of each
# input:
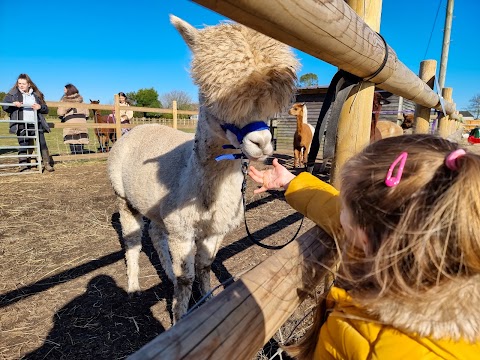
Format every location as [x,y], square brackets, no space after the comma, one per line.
[331,31]
[471,124]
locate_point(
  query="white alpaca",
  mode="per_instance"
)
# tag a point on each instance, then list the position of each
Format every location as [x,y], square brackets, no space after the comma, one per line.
[192,200]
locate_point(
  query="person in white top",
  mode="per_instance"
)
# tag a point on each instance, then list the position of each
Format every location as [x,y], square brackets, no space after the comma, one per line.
[26,98]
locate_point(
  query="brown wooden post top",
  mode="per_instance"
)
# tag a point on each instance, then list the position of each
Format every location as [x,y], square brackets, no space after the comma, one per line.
[118,120]
[422,113]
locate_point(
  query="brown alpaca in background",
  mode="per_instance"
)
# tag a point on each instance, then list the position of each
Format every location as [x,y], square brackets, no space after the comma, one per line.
[408,121]
[106,136]
[302,140]
[381,129]
[385,129]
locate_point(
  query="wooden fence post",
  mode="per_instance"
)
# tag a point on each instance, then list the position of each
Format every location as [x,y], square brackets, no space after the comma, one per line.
[422,113]
[400,111]
[174,112]
[356,115]
[443,125]
[118,122]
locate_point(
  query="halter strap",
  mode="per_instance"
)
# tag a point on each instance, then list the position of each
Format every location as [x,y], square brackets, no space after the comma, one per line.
[241,133]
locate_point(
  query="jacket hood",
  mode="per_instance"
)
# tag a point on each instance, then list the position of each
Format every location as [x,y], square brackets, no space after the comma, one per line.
[454,312]
[72,98]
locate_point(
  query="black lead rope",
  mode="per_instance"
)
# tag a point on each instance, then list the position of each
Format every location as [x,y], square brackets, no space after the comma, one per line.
[338,91]
[250,235]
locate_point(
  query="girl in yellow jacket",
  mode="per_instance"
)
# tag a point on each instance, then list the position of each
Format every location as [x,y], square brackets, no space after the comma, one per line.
[407,223]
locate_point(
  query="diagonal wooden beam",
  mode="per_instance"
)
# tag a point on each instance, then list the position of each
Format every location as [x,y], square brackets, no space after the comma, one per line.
[331,31]
[237,323]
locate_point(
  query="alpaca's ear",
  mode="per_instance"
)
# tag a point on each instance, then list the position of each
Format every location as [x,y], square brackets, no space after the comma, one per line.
[188,32]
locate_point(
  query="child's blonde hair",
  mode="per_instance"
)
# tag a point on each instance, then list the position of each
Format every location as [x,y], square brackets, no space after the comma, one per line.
[423,232]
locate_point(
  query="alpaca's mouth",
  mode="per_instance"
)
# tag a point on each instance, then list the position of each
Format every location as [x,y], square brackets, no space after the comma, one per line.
[261,158]
[257,153]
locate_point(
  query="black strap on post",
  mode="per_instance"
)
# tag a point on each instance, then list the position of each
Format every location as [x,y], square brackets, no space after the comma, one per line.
[338,90]
[384,62]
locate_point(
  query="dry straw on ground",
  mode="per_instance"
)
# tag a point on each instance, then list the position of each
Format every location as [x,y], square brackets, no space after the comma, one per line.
[63,275]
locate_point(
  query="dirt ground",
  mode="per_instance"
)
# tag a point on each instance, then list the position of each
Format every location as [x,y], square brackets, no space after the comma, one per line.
[62,273]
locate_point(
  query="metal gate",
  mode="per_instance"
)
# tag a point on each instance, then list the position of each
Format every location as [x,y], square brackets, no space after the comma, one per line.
[9,158]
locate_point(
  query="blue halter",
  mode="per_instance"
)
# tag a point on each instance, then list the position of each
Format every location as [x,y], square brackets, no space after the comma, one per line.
[240,134]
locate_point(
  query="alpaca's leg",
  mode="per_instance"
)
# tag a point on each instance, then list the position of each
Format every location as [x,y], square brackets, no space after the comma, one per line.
[182,251]
[306,150]
[206,251]
[160,243]
[132,223]
[296,155]
[102,142]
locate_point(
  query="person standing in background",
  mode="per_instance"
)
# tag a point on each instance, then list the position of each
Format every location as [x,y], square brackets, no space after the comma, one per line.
[28,100]
[125,115]
[75,137]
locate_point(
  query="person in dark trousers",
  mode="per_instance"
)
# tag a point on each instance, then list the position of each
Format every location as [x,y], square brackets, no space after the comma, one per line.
[26,98]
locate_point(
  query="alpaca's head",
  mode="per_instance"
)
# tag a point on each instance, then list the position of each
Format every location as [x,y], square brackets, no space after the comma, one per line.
[408,121]
[299,109]
[242,75]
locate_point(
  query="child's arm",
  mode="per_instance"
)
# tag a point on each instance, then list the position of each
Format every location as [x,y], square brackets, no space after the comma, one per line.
[317,200]
[307,194]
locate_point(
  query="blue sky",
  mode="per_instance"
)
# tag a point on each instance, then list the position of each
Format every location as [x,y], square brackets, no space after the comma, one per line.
[104,47]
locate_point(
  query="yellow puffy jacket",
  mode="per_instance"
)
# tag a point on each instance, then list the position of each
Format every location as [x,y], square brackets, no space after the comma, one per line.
[317,200]
[349,332]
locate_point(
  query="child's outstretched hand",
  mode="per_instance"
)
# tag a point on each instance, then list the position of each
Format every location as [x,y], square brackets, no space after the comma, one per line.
[274,178]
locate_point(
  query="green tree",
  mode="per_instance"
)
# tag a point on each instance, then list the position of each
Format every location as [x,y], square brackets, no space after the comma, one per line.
[308,79]
[146,98]
[474,106]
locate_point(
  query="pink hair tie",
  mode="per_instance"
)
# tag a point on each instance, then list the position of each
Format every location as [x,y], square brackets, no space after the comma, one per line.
[451,159]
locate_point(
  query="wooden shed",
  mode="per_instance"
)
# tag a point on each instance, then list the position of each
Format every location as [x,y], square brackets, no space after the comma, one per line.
[284,125]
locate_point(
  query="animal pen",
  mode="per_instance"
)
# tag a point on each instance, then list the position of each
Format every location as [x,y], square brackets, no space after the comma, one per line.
[58,149]
[242,318]
[117,126]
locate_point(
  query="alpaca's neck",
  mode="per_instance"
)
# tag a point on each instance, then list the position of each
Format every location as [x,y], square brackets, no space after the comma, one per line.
[209,141]
[302,118]
[219,180]
[299,121]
